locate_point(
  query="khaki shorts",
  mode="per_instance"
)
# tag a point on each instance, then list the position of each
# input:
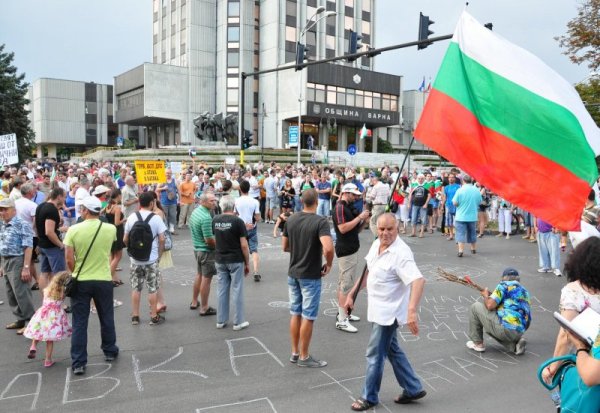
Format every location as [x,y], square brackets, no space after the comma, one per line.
[205,263]
[347,266]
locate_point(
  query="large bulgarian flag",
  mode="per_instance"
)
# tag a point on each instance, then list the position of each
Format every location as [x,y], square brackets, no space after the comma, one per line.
[514,124]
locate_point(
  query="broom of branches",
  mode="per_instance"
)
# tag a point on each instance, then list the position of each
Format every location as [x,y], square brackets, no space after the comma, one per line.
[466,280]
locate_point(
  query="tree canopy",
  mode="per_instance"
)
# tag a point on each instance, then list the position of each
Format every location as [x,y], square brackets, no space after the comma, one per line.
[582,40]
[13,115]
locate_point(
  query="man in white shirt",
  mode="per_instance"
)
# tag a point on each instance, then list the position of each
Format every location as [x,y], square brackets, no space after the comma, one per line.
[248,210]
[82,193]
[395,286]
[146,271]
[254,186]
[26,211]
[378,197]
[271,185]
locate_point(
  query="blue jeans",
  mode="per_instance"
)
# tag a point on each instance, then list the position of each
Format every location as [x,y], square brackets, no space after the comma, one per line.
[384,342]
[323,207]
[102,294]
[549,250]
[230,276]
[417,212]
[297,204]
[171,215]
[305,297]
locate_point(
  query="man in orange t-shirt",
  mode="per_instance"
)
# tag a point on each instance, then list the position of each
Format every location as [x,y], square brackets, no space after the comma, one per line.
[187,189]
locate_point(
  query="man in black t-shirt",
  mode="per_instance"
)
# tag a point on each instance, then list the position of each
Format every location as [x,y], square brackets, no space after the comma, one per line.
[232,260]
[306,236]
[347,223]
[47,224]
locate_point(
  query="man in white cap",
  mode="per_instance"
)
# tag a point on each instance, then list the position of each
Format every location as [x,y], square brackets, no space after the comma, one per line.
[347,223]
[87,251]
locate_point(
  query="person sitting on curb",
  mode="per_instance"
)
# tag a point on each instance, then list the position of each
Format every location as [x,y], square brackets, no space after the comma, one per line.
[505,315]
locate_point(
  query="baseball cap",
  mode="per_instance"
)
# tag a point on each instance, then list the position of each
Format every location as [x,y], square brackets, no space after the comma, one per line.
[100,189]
[353,189]
[92,204]
[7,203]
[510,272]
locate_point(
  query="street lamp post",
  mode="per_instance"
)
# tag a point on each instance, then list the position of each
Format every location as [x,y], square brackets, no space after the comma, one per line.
[262,133]
[309,25]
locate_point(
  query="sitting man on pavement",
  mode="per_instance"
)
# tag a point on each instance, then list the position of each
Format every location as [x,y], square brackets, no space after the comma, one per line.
[504,315]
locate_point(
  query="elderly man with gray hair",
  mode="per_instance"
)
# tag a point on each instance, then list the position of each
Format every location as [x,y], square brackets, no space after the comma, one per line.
[232,258]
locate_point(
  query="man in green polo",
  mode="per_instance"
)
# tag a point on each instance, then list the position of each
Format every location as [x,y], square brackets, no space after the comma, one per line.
[203,240]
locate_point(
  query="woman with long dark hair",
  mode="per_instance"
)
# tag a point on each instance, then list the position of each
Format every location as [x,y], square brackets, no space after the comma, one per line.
[582,291]
[114,215]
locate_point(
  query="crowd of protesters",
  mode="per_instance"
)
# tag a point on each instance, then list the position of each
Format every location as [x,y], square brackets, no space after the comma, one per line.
[54,213]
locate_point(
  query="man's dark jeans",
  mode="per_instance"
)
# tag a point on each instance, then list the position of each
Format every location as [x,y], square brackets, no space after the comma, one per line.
[102,294]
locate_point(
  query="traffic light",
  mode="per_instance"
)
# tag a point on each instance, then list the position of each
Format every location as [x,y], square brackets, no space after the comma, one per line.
[354,45]
[301,55]
[424,31]
[247,139]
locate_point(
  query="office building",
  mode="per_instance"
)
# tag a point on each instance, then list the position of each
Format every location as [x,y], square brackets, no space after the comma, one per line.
[200,47]
[68,116]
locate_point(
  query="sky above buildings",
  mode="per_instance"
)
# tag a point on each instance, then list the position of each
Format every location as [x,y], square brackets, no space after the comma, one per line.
[95,40]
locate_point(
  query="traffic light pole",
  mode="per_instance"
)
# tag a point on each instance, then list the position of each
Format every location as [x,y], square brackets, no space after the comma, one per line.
[367,53]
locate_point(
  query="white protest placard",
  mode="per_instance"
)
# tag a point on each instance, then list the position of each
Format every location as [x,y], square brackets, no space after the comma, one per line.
[9,154]
[230,160]
[176,167]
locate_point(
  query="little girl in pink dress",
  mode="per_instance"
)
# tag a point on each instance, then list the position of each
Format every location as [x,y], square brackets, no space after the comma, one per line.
[50,322]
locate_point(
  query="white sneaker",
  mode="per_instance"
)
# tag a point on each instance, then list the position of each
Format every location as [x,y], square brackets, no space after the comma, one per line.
[480,348]
[508,237]
[237,327]
[543,270]
[221,325]
[557,272]
[345,326]
[353,317]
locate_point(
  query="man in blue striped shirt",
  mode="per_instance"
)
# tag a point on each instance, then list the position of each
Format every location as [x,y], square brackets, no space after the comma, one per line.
[16,244]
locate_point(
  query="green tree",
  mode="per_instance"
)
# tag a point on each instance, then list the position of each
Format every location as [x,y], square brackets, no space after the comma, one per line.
[582,40]
[13,115]
[590,94]
[384,146]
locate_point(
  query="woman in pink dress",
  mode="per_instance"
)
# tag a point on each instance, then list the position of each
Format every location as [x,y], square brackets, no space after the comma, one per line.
[50,322]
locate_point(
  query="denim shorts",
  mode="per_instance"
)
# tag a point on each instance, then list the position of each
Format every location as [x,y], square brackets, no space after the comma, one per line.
[466,232]
[449,218]
[418,212]
[52,260]
[305,297]
[252,240]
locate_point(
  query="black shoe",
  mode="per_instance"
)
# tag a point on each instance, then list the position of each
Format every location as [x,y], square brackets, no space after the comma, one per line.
[35,287]
[257,277]
[460,254]
[404,398]
[79,370]
[111,357]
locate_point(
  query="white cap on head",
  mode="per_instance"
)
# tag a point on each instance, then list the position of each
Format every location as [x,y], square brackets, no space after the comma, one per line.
[353,189]
[101,189]
[92,204]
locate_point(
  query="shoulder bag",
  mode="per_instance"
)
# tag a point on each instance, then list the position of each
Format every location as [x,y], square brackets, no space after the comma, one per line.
[71,282]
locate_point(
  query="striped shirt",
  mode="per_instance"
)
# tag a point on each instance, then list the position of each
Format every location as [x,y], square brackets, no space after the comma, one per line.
[15,236]
[201,228]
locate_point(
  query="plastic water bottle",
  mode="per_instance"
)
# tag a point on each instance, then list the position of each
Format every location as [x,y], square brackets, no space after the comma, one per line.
[555,396]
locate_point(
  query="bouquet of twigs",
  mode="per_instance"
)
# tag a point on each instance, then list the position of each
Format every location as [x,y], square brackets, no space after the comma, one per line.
[466,280]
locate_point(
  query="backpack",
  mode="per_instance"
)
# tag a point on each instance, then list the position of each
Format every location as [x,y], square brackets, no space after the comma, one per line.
[140,238]
[419,196]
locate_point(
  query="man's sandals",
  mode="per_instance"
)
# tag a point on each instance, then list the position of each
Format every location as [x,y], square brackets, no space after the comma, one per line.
[361,404]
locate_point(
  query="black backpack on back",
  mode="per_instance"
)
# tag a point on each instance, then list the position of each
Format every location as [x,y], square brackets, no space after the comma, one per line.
[419,196]
[139,246]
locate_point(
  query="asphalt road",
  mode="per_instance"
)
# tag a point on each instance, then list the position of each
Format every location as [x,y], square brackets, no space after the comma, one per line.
[187,365]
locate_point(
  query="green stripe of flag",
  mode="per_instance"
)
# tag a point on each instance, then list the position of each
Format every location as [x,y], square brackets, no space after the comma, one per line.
[517,113]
